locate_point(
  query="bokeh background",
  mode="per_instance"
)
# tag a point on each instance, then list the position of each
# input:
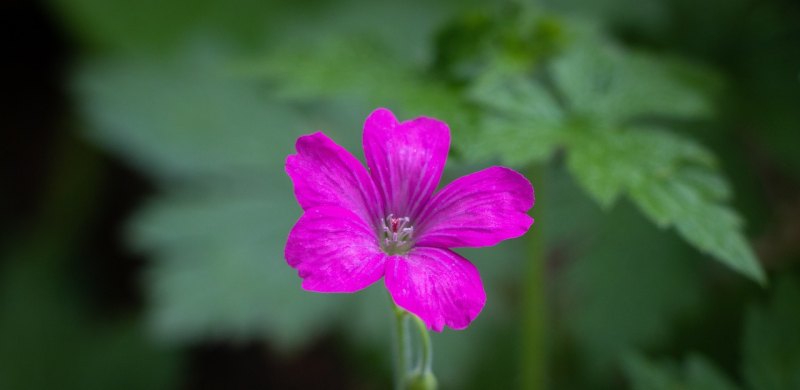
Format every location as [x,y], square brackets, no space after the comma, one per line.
[144,204]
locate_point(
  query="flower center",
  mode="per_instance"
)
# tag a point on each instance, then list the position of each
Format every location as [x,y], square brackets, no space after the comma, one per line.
[396,235]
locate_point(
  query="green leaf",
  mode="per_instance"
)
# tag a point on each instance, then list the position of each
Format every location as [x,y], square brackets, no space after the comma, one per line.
[366,71]
[696,373]
[607,163]
[771,345]
[216,145]
[523,123]
[159,25]
[672,180]
[606,84]
[215,232]
[591,84]
[184,117]
[219,269]
[154,26]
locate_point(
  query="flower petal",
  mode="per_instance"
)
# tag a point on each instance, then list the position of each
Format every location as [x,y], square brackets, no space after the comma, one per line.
[405,159]
[333,250]
[480,209]
[325,174]
[437,285]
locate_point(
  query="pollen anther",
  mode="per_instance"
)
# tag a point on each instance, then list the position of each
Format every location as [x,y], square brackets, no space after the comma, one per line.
[397,234]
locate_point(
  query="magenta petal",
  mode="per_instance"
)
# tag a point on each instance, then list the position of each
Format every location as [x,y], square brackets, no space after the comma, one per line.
[437,285]
[325,174]
[405,159]
[333,250]
[480,209]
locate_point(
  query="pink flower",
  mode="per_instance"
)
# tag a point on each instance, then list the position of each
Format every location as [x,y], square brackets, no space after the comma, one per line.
[359,226]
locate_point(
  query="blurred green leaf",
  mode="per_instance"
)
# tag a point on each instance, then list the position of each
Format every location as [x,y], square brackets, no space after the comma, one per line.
[645,15]
[218,267]
[184,117]
[591,83]
[607,85]
[216,231]
[161,25]
[673,181]
[771,345]
[598,99]
[367,71]
[696,373]
[216,145]
[523,123]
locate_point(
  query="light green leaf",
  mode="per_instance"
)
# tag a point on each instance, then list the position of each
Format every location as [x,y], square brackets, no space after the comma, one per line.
[523,122]
[364,70]
[184,117]
[606,84]
[672,180]
[591,84]
[696,373]
[216,145]
[607,163]
[159,25]
[771,345]
[219,269]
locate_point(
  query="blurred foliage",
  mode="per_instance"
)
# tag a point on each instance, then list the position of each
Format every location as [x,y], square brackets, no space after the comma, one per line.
[216,145]
[52,333]
[620,295]
[624,105]
[770,351]
[771,345]
[51,339]
[202,133]
[593,104]
[696,373]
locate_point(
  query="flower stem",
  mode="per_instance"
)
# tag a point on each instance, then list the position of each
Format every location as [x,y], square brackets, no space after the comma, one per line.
[534,303]
[420,376]
[426,357]
[402,350]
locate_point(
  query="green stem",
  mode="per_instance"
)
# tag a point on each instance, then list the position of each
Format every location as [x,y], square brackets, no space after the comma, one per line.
[534,303]
[419,376]
[402,351]
[426,359]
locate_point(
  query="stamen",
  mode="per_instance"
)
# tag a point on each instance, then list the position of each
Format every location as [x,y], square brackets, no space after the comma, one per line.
[396,234]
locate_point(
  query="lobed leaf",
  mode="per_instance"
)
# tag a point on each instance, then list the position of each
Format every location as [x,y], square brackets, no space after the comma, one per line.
[672,181]
[216,145]
[604,83]
[523,122]
[184,117]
